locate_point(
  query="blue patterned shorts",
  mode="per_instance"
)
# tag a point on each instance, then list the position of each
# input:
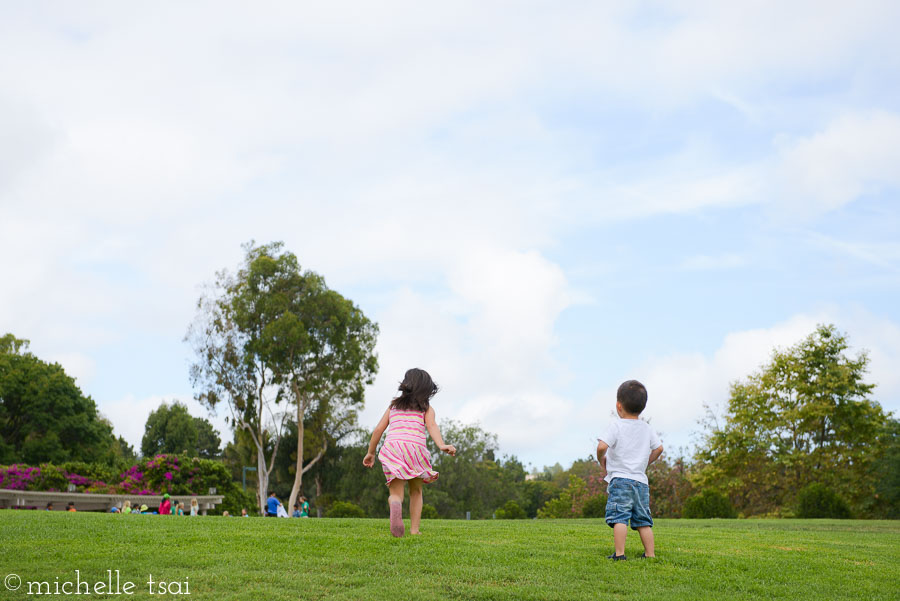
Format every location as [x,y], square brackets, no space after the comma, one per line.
[628,499]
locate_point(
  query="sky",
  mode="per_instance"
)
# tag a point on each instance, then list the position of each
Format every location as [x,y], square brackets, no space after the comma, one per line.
[535,201]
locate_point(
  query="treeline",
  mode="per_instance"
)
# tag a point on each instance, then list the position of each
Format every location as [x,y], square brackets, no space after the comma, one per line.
[801,437]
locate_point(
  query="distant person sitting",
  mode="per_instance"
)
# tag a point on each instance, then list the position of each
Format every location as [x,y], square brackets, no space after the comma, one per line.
[180,510]
[49,506]
[71,506]
[165,508]
[114,509]
[195,507]
[126,507]
[296,513]
[225,514]
[244,513]
[272,504]
[304,507]
[144,509]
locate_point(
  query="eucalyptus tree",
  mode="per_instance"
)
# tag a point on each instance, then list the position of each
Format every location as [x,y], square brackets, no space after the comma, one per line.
[328,372]
[235,366]
[275,344]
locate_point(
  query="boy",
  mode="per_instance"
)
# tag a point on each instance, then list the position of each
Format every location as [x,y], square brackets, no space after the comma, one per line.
[625,450]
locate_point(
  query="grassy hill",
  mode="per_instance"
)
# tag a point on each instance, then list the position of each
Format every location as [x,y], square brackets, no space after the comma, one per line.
[259,559]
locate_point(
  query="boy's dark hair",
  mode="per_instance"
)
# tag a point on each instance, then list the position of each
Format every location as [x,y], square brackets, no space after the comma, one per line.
[271,492]
[416,391]
[633,396]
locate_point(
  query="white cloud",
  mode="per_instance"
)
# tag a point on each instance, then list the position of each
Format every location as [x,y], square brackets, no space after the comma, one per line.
[129,415]
[681,384]
[406,147]
[852,156]
[488,339]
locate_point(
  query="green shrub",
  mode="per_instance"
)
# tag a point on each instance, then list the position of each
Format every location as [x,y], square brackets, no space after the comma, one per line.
[819,501]
[595,507]
[708,504]
[345,509]
[511,511]
[429,512]
[563,506]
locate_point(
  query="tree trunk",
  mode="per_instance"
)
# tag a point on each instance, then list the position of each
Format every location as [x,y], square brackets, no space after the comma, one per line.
[318,494]
[262,479]
[298,475]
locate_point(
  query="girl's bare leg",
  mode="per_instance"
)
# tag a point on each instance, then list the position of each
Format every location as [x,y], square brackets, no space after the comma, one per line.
[395,503]
[415,505]
[396,491]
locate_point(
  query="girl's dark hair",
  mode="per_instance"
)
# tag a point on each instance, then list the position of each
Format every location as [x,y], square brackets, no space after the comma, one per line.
[416,391]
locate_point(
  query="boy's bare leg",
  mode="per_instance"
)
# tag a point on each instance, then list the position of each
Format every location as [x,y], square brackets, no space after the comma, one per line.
[646,533]
[415,505]
[619,532]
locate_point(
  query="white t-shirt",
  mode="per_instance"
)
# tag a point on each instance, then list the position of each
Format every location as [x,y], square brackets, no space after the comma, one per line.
[630,442]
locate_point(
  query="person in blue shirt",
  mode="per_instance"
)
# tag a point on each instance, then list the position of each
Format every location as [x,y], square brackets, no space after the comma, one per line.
[272,505]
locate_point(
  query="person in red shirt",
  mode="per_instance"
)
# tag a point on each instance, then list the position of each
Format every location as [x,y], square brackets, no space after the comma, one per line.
[165,508]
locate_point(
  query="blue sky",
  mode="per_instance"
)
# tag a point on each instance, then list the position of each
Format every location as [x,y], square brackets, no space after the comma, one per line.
[535,202]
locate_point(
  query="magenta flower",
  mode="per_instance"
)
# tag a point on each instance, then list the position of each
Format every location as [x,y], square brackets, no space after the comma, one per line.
[168,475]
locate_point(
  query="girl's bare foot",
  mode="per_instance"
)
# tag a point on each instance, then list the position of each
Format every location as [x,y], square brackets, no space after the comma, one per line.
[397,528]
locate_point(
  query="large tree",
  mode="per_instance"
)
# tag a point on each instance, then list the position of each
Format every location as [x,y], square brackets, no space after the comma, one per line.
[172,429]
[806,416]
[234,364]
[326,371]
[44,416]
[274,343]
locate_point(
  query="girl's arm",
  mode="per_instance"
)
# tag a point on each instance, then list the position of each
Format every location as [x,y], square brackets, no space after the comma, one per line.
[435,433]
[369,459]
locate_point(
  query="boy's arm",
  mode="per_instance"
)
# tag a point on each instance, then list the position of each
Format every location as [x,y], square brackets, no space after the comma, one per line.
[654,454]
[602,447]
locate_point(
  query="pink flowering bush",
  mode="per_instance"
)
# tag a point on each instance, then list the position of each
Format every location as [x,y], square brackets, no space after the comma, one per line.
[152,476]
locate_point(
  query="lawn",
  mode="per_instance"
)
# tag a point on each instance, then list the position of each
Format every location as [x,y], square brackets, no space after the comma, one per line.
[271,560]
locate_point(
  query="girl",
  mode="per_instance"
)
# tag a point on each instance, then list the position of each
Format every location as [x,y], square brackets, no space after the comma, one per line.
[404,456]
[195,507]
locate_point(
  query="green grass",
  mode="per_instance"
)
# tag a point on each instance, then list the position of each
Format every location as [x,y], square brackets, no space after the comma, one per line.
[271,560]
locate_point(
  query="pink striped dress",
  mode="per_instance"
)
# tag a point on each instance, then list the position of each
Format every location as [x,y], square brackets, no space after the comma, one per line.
[404,454]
